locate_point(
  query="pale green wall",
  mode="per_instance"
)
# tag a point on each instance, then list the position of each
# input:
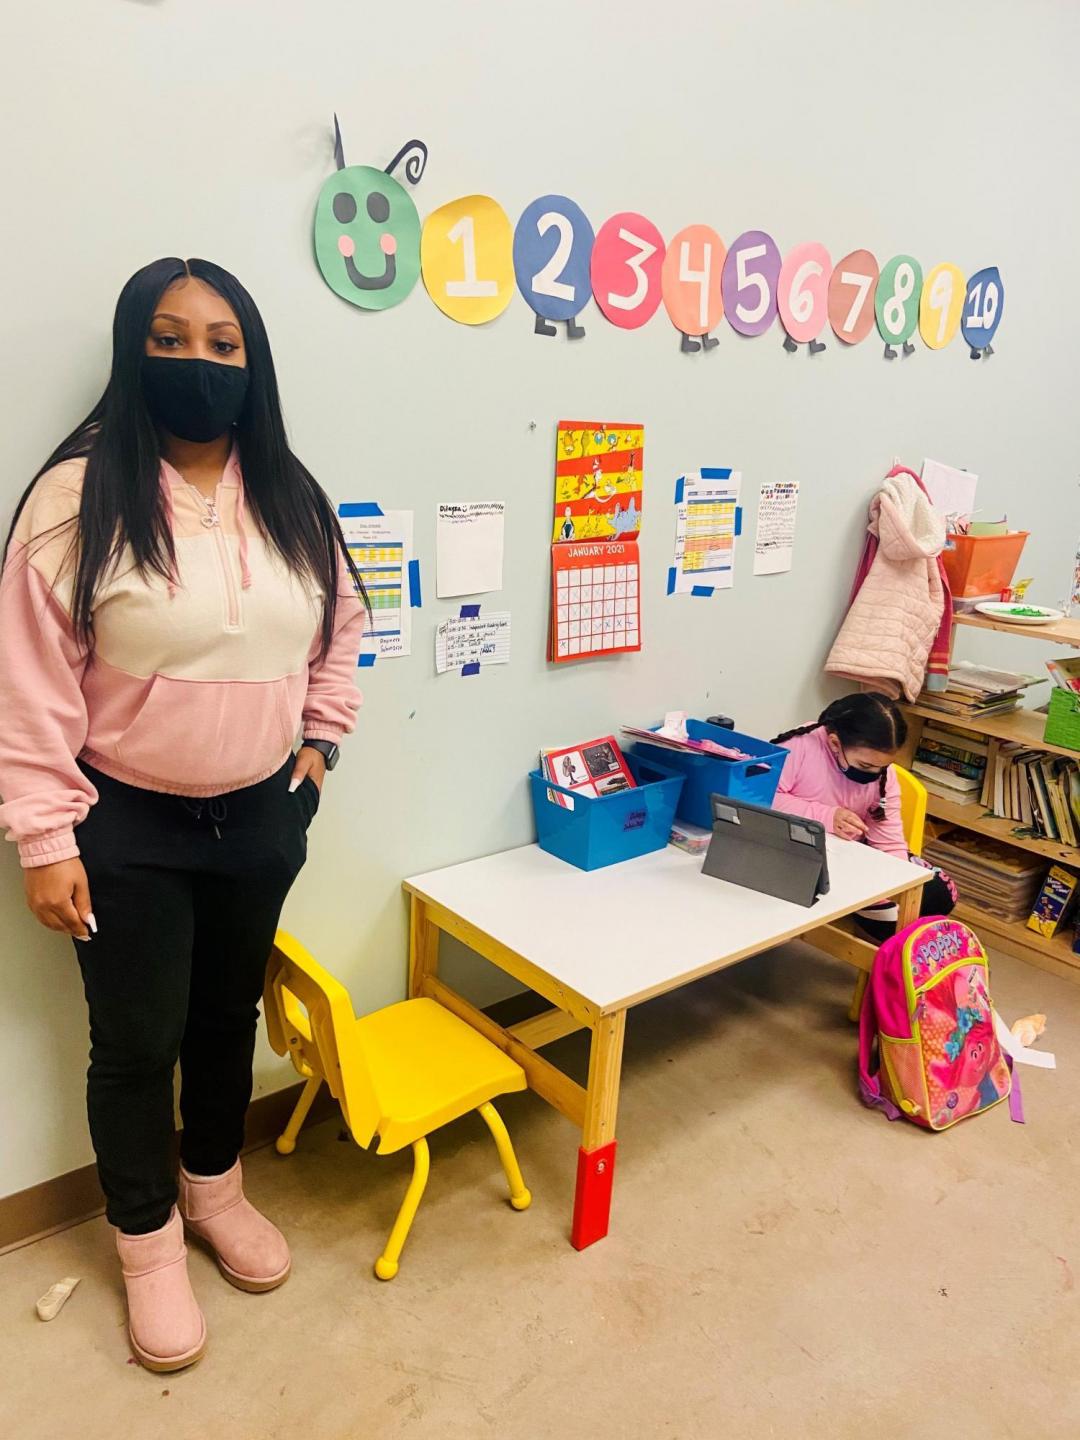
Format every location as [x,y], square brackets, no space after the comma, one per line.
[201,127]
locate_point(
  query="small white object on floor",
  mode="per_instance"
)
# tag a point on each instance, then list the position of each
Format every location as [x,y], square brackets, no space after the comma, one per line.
[56,1297]
[1028,1030]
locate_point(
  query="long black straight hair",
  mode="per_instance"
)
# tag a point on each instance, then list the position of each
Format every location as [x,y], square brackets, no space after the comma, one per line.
[122,503]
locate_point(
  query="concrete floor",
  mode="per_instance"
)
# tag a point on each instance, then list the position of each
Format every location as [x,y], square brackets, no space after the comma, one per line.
[782,1262]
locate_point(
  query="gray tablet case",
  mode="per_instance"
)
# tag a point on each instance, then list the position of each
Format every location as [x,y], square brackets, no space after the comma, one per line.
[768,851]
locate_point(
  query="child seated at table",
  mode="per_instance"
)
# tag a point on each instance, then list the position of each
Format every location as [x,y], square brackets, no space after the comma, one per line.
[839,771]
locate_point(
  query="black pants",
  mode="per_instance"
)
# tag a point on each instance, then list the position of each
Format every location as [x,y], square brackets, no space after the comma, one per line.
[186,895]
[937,899]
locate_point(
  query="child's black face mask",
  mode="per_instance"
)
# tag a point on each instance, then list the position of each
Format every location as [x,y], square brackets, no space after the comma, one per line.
[852,772]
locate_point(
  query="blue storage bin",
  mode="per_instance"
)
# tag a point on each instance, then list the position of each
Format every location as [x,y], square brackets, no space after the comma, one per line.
[754,780]
[613,828]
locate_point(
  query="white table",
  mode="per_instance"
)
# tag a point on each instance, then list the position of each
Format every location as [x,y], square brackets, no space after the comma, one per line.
[594,943]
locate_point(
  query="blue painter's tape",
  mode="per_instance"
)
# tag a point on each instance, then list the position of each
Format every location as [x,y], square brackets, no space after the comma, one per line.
[473,669]
[671,580]
[359,508]
[415,599]
[680,486]
[716,473]
[738,521]
[702,590]
[366,659]
[469,612]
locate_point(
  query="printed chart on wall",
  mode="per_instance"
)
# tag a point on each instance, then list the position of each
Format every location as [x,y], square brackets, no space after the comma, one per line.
[708,521]
[380,543]
[774,544]
[598,481]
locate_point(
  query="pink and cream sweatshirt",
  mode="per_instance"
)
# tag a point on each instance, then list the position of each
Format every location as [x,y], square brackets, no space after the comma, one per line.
[813,785]
[196,686]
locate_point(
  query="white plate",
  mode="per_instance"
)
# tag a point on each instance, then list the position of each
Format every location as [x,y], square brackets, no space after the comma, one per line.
[1004,610]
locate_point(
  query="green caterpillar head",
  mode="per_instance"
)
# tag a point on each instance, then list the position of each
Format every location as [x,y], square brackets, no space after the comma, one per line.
[367,230]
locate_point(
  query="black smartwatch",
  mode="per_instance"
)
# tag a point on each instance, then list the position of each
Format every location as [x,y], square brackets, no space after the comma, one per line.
[327,749]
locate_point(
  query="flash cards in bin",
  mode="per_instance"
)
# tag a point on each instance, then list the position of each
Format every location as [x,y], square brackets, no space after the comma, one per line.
[596,768]
[595,603]
[613,827]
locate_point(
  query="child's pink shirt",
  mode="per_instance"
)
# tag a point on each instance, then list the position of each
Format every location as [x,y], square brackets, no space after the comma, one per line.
[812,784]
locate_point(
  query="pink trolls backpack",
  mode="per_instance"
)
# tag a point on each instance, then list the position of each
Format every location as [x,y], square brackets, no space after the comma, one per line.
[928,1006]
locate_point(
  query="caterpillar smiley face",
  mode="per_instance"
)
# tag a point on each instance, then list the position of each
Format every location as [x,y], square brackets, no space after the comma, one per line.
[367,237]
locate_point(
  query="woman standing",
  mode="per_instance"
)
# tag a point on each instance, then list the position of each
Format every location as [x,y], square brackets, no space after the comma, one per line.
[177,607]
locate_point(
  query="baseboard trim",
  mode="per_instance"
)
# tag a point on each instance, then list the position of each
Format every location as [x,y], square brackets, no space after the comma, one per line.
[70,1199]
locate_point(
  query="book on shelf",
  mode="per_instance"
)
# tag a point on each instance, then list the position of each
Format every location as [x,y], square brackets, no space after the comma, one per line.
[953,741]
[952,782]
[982,680]
[1040,792]
[1065,673]
[971,769]
[955,797]
[978,691]
[1055,899]
[595,769]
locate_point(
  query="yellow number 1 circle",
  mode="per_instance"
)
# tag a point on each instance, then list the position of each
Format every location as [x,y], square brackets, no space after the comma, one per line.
[467,259]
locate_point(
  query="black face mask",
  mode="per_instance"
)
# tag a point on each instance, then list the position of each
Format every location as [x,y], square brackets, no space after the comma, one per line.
[852,772]
[193,399]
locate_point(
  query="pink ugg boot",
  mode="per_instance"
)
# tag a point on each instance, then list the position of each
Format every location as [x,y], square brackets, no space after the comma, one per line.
[251,1253]
[165,1323]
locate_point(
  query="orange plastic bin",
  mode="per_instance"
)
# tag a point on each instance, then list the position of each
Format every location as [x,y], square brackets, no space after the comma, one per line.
[982,564]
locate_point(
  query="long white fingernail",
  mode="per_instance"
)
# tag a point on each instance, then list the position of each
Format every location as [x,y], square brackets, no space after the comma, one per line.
[295,783]
[92,923]
[85,939]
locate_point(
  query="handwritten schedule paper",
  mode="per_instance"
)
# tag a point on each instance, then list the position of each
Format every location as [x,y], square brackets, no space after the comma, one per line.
[776,527]
[469,547]
[464,643]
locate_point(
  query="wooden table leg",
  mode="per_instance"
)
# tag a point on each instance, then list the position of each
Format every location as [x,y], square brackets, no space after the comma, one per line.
[596,1155]
[423,947]
[908,906]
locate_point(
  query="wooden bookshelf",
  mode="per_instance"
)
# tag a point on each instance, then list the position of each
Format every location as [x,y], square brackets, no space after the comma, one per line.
[1024,727]
[975,817]
[1058,632]
[1015,938]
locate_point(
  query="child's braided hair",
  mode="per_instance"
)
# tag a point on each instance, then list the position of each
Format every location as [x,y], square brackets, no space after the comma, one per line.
[869,720]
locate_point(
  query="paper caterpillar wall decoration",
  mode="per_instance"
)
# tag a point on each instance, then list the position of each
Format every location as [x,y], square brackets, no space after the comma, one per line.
[372,248]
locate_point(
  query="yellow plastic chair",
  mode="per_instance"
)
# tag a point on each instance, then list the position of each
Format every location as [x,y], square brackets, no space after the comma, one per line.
[913,819]
[912,808]
[398,1074]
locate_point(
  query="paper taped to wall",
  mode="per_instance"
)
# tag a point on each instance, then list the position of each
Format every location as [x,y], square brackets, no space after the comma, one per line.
[465,642]
[775,540]
[380,544]
[469,547]
[708,520]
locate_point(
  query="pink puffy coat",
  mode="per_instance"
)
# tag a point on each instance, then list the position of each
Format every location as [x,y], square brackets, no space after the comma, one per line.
[894,619]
